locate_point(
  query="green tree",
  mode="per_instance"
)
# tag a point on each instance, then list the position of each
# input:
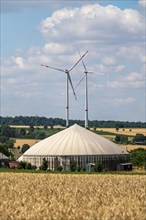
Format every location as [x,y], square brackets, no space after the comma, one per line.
[98,166]
[40,135]
[10,143]
[31,129]
[44,165]
[73,165]
[124,139]
[26,165]
[138,157]
[117,138]
[4,149]
[3,139]
[22,132]
[24,148]
[139,138]
[7,131]
[22,164]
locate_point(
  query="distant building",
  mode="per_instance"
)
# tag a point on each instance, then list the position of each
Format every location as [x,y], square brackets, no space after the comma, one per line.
[124,167]
[14,164]
[76,144]
[4,160]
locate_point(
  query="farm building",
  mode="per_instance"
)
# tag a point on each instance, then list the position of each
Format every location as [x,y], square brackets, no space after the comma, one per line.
[75,144]
[124,167]
[4,160]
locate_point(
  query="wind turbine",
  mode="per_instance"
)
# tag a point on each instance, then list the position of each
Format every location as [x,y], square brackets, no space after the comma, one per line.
[68,80]
[86,72]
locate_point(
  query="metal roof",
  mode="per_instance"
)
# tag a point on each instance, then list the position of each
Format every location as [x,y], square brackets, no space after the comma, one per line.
[2,156]
[74,140]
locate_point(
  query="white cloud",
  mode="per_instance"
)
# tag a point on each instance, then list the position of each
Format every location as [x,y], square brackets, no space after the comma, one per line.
[108,60]
[119,68]
[133,80]
[132,53]
[83,23]
[19,61]
[123,101]
[55,48]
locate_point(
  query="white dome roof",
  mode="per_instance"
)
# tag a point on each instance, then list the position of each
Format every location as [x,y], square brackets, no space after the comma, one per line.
[74,140]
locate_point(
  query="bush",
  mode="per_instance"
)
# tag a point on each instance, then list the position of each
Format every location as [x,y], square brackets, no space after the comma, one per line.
[123,139]
[139,138]
[138,157]
[22,165]
[98,167]
[26,165]
[73,165]
[60,168]
[34,167]
[44,165]
[78,169]
[117,138]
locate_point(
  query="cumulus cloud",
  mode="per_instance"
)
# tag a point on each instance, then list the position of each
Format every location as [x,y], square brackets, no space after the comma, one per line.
[132,80]
[119,68]
[108,60]
[132,53]
[90,18]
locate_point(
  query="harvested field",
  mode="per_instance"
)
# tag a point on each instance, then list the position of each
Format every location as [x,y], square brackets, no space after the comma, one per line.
[132,147]
[26,126]
[126,131]
[69,197]
[21,142]
[31,142]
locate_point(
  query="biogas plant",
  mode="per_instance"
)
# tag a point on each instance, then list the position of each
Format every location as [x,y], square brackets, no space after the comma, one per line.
[75,143]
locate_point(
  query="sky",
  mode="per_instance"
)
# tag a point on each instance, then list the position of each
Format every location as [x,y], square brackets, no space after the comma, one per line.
[52,33]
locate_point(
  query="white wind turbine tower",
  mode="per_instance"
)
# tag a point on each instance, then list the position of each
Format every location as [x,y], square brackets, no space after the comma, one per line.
[86,90]
[68,80]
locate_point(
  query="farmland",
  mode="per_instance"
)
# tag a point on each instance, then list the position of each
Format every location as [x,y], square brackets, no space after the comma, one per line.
[31,142]
[60,196]
[111,134]
[21,142]
[125,131]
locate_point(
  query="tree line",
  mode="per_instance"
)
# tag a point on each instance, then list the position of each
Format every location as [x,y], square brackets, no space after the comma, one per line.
[44,121]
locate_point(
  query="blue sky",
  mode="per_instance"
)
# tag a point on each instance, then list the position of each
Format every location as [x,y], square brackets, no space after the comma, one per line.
[50,32]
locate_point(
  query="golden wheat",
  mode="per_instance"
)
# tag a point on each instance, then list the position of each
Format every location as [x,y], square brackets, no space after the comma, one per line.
[127,131]
[69,197]
[21,142]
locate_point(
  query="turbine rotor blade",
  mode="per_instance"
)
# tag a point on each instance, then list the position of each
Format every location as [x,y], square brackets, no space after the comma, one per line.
[90,72]
[53,68]
[77,61]
[83,62]
[80,81]
[71,85]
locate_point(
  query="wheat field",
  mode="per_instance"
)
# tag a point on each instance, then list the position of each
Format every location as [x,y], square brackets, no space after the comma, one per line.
[72,197]
[127,131]
[21,142]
